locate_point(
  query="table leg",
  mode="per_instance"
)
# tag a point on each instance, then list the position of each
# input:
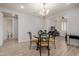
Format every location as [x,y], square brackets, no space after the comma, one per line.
[37,46]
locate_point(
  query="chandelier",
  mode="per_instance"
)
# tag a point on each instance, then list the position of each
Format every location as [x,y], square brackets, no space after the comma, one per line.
[44,11]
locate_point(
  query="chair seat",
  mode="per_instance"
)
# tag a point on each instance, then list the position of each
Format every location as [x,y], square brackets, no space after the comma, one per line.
[44,43]
[52,40]
[34,40]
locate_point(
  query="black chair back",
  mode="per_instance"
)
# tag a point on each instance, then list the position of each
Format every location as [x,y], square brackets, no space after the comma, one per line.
[30,35]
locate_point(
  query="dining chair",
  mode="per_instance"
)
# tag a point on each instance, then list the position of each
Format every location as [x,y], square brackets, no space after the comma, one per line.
[32,40]
[43,43]
[52,36]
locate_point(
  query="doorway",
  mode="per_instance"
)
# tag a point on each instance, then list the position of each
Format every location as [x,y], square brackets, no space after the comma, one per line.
[10,27]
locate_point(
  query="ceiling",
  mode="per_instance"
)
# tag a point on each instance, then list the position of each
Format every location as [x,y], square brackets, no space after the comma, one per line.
[35,8]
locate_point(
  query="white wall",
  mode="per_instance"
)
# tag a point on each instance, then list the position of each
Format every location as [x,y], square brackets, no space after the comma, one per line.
[29,23]
[15,28]
[72,17]
[1,29]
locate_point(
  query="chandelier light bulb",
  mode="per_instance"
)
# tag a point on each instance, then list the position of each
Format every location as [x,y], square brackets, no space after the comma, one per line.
[44,10]
[40,12]
[47,12]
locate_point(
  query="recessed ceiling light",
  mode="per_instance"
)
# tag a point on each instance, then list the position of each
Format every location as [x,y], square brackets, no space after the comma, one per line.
[21,6]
